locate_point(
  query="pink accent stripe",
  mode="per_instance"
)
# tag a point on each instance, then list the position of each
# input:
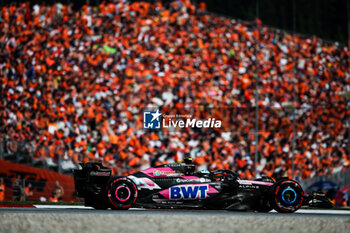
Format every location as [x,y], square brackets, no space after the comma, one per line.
[165,193]
[248,182]
[190,177]
[212,190]
[158,172]
[16,206]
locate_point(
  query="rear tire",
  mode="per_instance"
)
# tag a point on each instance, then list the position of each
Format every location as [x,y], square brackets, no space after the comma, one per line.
[287,196]
[121,193]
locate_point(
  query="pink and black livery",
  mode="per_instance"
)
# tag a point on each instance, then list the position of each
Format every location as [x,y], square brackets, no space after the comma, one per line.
[178,185]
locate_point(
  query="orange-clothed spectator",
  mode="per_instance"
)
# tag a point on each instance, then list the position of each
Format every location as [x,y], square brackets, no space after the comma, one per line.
[2,189]
[28,192]
[57,192]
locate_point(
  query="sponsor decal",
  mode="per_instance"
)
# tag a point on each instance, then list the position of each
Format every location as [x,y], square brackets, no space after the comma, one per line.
[174,165]
[162,173]
[186,180]
[100,173]
[247,186]
[205,171]
[194,180]
[159,172]
[188,192]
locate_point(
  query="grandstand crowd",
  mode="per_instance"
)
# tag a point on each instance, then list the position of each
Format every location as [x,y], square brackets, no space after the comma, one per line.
[77,82]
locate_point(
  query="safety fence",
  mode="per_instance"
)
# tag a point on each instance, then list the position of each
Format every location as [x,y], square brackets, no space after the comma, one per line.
[27,183]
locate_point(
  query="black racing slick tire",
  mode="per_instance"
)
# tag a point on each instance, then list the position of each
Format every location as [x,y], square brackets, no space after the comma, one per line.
[287,196]
[121,193]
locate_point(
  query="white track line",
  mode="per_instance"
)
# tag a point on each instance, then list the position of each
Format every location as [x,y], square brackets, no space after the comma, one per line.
[62,207]
[328,211]
[71,207]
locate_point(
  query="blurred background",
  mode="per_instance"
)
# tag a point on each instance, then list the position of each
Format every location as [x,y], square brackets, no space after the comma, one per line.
[76,76]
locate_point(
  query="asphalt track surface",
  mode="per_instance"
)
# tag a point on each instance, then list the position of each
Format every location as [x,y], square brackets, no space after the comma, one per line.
[71,219]
[315,213]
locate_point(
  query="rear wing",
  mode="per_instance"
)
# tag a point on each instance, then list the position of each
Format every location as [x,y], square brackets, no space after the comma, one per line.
[91,180]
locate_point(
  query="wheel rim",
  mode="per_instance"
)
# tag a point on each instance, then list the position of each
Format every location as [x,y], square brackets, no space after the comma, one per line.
[289,195]
[122,193]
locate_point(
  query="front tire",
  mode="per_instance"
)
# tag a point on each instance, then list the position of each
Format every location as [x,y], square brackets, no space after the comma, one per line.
[287,196]
[121,193]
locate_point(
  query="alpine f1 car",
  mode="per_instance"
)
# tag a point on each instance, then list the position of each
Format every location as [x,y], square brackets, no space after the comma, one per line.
[178,185]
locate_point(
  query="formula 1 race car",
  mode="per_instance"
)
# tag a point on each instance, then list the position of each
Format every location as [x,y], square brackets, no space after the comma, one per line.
[178,185]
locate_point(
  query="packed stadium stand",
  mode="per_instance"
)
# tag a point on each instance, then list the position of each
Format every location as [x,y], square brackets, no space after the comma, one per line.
[74,85]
